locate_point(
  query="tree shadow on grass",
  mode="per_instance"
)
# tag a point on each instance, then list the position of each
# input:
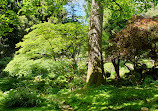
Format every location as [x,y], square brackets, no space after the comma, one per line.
[110,98]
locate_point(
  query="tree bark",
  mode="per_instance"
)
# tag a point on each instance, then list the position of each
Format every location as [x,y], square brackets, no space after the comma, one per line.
[74,62]
[95,74]
[117,67]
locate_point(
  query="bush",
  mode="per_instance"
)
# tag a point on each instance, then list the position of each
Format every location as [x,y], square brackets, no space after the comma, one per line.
[3,62]
[153,73]
[147,81]
[8,83]
[57,74]
[82,67]
[22,97]
[156,82]
[23,66]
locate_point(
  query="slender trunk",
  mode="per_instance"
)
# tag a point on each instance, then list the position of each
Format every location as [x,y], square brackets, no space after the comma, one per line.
[155,55]
[117,67]
[155,63]
[74,63]
[95,60]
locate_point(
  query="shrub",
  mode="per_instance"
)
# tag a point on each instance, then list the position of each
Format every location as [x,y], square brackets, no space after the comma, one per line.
[22,66]
[82,67]
[153,73]
[46,53]
[156,82]
[56,74]
[8,83]
[3,62]
[22,97]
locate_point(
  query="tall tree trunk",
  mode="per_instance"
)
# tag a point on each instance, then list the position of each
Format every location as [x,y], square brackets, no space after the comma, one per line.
[95,74]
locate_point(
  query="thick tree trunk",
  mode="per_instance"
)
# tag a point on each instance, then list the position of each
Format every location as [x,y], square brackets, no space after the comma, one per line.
[95,74]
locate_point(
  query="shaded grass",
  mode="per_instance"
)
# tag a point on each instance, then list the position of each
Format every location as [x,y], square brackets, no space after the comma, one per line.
[29,109]
[110,98]
[103,98]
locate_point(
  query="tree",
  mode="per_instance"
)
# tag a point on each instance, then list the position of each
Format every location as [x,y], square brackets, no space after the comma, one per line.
[44,10]
[95,74]
[118,15]
[7,17]
[138,41]
[117,12]
[18,15]
[46,41]
[95,53]
[139,37]
[10,31]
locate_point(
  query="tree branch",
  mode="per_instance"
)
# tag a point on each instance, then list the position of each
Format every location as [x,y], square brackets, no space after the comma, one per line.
[117,5]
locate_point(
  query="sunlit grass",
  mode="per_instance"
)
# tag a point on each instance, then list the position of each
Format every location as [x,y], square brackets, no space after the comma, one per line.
[111,98]
[110,68]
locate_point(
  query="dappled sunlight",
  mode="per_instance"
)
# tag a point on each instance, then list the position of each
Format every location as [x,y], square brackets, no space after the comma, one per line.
[112,98]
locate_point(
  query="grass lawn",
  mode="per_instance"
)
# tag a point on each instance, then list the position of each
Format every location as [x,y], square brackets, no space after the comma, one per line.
[103,98]
[110,98]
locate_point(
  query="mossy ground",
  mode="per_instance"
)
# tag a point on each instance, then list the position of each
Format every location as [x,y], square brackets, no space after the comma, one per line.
[102,98]
[110,98]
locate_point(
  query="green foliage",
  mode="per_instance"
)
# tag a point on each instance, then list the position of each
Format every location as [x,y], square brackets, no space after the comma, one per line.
[45,73]
[22,97]
[45,42]
[4,61]
[152,12]
[7,83]
[82,66]
[21,66]
[144,5]
[156,82]
[11,31]
[7,17]
[152,73]
[43,10]
[48,40]
[116,16]
[45,56]
[148,80]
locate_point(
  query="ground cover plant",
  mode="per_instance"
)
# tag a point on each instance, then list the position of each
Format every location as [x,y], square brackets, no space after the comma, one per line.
[110,98]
